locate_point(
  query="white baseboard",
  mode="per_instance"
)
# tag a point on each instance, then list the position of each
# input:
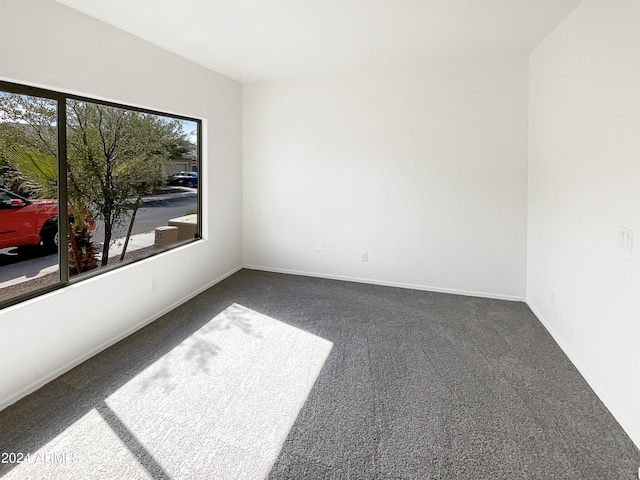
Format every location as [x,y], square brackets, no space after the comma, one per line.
[4,403]
[626,425]
[410,286]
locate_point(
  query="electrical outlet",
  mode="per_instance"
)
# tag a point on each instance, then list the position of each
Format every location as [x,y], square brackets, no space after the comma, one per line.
[364,257]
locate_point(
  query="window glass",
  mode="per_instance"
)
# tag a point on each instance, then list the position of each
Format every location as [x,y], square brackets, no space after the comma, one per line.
[29,234]
[131,175]
[130,190]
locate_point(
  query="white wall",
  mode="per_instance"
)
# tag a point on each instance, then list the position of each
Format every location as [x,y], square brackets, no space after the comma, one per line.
[584,181]
[47,44]
[423,168]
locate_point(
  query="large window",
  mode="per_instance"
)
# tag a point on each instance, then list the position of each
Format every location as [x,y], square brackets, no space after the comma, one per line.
[124,179]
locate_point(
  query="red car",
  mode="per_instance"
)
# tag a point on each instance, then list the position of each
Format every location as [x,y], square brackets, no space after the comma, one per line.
[27,222]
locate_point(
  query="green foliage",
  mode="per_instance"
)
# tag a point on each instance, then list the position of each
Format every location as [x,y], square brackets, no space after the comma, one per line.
[41,170]
[16,134]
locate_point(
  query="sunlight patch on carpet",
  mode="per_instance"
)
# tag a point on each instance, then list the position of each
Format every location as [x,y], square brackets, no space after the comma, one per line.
[219,405]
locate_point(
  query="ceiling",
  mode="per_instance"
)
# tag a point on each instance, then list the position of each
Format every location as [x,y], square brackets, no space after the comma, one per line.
[258,40]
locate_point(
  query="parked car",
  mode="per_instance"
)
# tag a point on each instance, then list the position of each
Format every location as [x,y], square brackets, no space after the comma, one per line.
[27,222]
[185,179]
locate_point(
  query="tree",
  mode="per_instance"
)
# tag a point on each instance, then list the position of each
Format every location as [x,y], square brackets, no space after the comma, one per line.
[28,123]
[115,157]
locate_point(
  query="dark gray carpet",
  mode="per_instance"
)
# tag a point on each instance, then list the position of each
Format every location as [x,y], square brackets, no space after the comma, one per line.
[418,385]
